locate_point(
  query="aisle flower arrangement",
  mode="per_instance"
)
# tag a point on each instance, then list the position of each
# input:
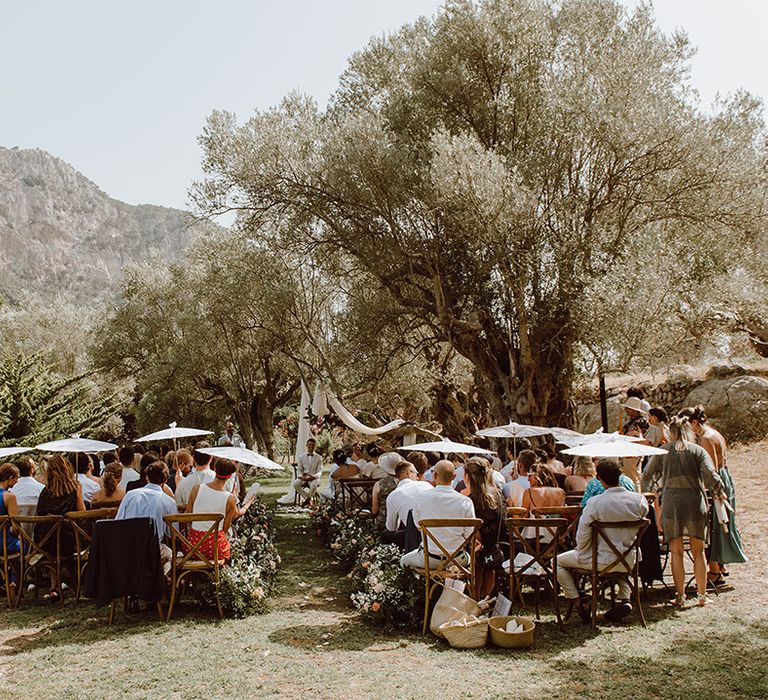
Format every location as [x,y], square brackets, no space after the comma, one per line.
[246,582]
[383,591]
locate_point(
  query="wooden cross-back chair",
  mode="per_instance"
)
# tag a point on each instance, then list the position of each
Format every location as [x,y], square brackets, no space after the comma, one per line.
[81,522]
[356,494]
[573,499]
[192,559]
[542,552]
[36,556]
[11,560]
[620,567]
[570,513]
[452,564]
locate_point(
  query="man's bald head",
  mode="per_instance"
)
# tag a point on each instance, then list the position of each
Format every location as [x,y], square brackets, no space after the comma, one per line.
[444,472]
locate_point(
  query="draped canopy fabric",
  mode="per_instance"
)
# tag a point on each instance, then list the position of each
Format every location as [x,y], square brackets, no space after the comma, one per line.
[351,422]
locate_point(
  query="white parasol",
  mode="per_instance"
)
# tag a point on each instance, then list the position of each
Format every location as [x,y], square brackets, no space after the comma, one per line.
[172,432]
[8,451]
[597,436]
[445,446]
[514,430]
[242,455]
[76,444]
[614,446]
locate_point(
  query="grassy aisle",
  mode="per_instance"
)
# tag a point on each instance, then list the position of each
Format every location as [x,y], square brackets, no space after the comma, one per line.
[312,645]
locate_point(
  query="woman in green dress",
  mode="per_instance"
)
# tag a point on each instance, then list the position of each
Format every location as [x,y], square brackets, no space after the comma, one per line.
[725,542]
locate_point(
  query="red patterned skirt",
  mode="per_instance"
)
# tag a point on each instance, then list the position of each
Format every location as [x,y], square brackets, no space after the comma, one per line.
[222,543]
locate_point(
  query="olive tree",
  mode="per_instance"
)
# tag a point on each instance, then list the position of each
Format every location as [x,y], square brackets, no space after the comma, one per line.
[492,169]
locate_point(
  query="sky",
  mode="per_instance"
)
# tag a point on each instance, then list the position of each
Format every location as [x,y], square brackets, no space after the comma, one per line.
[121,90]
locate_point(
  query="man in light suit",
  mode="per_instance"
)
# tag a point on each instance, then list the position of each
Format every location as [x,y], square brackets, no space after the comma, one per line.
[616,504]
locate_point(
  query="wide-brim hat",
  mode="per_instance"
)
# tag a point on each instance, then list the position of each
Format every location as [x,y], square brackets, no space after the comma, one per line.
[389,460]
[635,404]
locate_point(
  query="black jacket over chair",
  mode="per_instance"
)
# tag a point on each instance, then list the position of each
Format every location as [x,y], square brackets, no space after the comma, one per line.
[124,560]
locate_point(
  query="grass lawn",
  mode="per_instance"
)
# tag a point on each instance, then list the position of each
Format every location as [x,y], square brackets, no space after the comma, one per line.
[311,644]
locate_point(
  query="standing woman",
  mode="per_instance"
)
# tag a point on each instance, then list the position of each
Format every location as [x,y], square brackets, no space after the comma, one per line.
[489,506]
[686,471]
[658,431]
[725,546]
[62,494]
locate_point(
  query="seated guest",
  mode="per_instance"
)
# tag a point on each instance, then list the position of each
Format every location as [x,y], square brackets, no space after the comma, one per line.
[489,506]
[551,461]
[595,487]
[383,487]
[421,464]
[513,490]
[543,491]
[110,491]
[9,477]
[309,471]
[151,501]
[440,502]
[514,447]
[615,504]
[201,474]
[128,457]
[583,472]
[403,499]
[27,489]
[458,465]
[371,469]
[84,468]
[62,494]
[432,459]
[149,457]
[179,465]
[214,497]
[107,458]
[343,467]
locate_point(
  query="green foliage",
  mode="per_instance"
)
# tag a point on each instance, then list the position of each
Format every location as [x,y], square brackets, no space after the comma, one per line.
[247,581]
[36,405]
[514,178]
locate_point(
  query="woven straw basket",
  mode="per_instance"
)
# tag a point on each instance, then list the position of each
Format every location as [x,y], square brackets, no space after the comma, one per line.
[452,605]
[511,640]
[471,634]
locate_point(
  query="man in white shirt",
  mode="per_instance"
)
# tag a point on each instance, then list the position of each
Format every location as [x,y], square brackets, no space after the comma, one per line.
[27,489]
[230,437]
[616,504]
[309,469]
[126,457]
[84,467]
[150,501]
[403,499]
[513,490]
[440,502]
[201,474]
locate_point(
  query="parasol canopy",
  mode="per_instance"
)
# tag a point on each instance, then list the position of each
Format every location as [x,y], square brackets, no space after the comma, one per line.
[242,455]
[76,444]
[8,451]
[614,446]
[445,446]
[173,432]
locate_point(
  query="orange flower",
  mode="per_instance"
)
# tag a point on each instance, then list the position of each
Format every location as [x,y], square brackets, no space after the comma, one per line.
[376,606]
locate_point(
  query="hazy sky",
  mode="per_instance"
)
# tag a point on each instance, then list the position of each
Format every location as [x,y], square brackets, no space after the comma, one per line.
[121,89]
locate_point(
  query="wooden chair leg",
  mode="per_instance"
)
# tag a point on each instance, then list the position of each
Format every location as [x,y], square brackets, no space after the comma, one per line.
[595,591]
[172,602]
[555,593]
[426,607]
[160,611]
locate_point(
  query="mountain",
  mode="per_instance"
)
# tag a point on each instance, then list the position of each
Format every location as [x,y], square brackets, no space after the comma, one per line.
[59,233]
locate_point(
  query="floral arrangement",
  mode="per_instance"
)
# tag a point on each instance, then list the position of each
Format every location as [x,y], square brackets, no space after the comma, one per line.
[245,583]
[387,594]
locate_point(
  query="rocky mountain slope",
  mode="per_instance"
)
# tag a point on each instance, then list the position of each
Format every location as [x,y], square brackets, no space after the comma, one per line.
[59,233]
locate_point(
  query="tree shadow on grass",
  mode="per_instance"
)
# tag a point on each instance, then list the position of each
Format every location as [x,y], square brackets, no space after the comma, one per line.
[711,665]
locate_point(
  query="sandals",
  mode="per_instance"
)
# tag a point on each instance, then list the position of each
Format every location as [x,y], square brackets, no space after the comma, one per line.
[716,579]
[702,600]
[678,602]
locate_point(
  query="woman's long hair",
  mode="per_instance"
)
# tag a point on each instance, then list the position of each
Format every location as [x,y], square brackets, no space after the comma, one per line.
[477,472]
[583,466]
[544,475]
[61,477]
[680,432]
[110,480]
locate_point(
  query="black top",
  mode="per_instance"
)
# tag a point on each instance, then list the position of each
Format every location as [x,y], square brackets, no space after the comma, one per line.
[49,504]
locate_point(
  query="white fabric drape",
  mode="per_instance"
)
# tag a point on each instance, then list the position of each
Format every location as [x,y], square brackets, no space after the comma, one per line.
[319,403]
[303,433]
[351,422]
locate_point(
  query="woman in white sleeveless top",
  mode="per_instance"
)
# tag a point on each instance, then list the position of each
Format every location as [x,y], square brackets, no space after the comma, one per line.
[214,498]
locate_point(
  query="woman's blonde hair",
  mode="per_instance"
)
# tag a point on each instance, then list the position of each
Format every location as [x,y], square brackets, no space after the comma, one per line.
[583,466]
[61,477]
[680,431]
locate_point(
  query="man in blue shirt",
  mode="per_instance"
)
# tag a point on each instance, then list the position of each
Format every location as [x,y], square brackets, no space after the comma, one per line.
[151,501]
